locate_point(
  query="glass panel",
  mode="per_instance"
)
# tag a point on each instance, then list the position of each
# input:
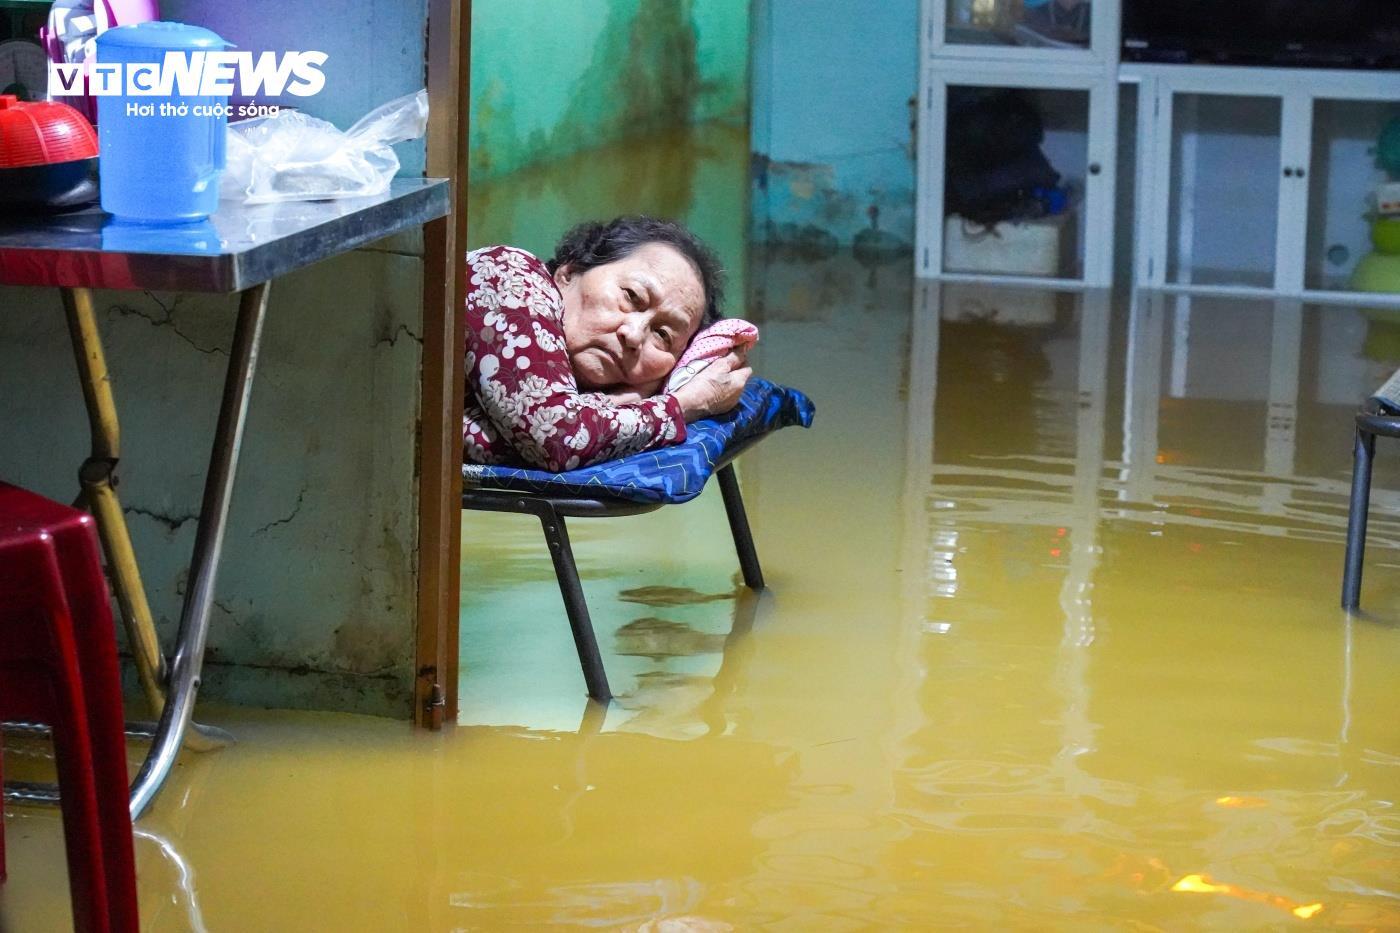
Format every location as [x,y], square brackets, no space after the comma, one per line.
[1033,23]
[1346,174]
[1014,181]
[1224,189]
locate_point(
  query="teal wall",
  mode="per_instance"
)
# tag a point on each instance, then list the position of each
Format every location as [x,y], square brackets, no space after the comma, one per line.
[832,82]
[698,175]
[587,109]
[553,77]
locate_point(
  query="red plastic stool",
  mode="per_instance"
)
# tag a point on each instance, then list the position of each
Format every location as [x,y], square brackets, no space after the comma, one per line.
[58,665]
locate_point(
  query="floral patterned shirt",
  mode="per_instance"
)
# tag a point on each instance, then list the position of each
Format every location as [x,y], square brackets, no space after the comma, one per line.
[523,405]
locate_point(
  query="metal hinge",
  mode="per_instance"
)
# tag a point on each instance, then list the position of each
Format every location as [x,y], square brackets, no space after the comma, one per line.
[434,700]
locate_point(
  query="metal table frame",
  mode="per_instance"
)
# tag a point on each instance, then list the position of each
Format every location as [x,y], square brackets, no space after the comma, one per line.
[246,267]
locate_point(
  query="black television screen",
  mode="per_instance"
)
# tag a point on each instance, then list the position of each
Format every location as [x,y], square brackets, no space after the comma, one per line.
[1307,33]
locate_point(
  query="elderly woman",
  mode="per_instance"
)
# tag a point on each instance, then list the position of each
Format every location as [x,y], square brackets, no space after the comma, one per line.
[565,358]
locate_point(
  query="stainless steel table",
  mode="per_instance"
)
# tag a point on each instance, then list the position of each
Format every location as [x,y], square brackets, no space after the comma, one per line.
[239,249]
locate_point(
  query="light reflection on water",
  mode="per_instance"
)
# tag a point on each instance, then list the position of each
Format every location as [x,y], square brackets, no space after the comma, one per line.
[1050,642]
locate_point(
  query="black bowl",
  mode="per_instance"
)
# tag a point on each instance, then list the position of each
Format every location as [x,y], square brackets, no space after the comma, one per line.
[47,189]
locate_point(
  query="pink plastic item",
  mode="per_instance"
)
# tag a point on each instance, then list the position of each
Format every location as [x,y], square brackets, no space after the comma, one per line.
[712,343]
[73,24]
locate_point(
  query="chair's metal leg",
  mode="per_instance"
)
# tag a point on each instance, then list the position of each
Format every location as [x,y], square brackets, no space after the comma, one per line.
[739,527]
[557,535]
[1365,451]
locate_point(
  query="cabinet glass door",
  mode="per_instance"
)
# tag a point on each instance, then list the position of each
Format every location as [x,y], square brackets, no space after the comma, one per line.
[1015,181]
[1037,24]
[1350,246]
[1223,211]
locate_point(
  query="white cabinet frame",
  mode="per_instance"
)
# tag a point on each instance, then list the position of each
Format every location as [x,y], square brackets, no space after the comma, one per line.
[1298,91]
[1101,55]
[1097,211]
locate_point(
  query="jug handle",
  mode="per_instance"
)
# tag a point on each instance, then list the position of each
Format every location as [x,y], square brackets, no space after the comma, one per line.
[220,143]
[219,155]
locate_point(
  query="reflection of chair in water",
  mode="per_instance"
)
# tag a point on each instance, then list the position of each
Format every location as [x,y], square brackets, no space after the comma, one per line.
[738,648]
[634,485]
[1380,416]
[552,510]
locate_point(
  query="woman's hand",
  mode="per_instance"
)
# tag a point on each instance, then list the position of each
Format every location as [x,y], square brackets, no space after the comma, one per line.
[715,389]
[631,395]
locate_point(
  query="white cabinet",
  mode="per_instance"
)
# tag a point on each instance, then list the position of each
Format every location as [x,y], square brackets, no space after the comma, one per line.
[1248,180]
[1072,32]
[1057,58]
[1256,180]
[1073,245]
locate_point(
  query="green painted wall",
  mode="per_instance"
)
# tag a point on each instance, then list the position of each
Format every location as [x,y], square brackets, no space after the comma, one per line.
[553,77]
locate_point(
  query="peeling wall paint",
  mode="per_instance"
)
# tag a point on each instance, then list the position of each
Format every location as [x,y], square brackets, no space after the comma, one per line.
[698,175]
[316,596]
[551,78]
[595,108]
[831,133]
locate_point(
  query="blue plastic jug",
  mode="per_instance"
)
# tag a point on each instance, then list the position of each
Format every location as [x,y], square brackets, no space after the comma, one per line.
[157,163]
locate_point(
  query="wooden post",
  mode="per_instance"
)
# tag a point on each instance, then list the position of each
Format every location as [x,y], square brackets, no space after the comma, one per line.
[440,420]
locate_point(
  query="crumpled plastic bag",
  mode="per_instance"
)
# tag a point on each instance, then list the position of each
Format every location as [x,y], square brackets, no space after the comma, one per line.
[290,156]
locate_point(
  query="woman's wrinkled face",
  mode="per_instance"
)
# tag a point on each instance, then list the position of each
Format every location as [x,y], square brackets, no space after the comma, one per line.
[628,322]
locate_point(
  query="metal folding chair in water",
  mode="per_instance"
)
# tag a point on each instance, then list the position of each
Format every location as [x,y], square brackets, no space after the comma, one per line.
[1379,416]
[634,485]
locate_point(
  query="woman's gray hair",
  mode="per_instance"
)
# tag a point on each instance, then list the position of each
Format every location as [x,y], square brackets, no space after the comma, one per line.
[593,244]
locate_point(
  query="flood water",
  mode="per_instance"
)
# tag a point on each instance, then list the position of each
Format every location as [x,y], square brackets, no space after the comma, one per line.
[1051,641]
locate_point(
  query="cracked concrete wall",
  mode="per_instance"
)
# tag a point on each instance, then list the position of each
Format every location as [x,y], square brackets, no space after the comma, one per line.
[833,146]
[316,592]
[316,596]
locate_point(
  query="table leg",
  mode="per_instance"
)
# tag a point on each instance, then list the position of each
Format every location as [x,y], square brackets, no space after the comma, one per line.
[100,497]
[209,539]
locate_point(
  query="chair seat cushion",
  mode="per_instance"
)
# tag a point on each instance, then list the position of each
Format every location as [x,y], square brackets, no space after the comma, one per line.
[668,474]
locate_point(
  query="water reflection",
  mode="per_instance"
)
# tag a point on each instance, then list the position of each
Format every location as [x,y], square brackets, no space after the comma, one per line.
[186,899]
[1050,641]
[1212,431]
[1174,438]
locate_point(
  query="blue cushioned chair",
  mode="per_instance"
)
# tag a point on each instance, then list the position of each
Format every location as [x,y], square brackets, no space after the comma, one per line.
[636,484]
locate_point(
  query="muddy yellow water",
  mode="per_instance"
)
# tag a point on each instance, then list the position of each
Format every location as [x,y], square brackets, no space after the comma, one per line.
[1051,641]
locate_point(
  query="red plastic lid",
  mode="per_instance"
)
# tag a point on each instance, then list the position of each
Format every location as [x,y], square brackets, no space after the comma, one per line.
[42,132]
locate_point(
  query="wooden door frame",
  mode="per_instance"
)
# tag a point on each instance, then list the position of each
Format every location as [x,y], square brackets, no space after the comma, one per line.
[439,456]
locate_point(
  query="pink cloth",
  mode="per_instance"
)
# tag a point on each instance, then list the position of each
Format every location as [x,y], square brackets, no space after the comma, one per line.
[712,343]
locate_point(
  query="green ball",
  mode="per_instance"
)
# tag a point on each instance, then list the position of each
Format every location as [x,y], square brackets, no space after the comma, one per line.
[1385,235]
[1377,273]
[1388,147]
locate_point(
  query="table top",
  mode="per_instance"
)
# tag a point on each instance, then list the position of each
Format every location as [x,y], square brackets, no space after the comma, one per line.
[236,248]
